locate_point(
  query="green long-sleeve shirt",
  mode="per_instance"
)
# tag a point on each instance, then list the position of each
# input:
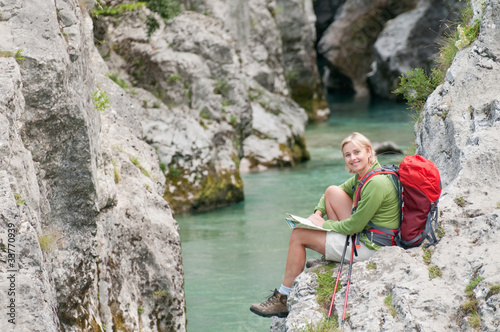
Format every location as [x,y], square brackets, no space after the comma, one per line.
[378,203]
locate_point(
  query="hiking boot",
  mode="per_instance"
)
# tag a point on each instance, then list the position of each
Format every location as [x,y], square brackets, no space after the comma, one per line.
[274,306]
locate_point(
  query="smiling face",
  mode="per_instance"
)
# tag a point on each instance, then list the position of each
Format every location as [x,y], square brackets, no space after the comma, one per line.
[356,158]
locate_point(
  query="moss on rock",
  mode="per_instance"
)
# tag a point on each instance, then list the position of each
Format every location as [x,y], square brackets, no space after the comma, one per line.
[214,190]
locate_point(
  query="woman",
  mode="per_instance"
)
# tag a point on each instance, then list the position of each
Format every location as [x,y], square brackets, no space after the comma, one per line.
[379,203]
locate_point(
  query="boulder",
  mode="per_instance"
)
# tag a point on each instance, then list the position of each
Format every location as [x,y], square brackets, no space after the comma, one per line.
[410,40]
[387,147]
[452,286]
[347,44]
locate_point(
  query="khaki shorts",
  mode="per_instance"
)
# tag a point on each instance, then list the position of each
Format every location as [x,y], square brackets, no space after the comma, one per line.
[334,247]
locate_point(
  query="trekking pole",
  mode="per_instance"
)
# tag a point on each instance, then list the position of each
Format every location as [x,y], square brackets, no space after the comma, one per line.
[338,276]
[353,250]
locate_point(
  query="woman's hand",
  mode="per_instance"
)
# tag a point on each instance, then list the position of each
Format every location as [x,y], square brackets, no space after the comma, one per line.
[316,219]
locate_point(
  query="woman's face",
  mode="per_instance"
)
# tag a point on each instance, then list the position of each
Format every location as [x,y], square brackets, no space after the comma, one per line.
[356,158]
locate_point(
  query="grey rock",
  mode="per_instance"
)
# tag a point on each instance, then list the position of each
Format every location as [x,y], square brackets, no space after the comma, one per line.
[347,44]
[459,133]
[408,41]
[202,92]
[387,147]
[81,192]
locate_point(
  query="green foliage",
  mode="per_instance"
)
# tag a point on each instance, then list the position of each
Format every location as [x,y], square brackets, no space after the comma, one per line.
[233,120]
[388,303]
[136,163]
[18,56]
[163,167]
[495,289]
[326,284]
[460,201]
[47,242]
[175,172]
[471,306]
[101,101]
[173,78]
[291,74]
[427,256]
[475,320]
[466,32]
[114,77]
[472,285]
[371,266]
[255,94]
[416,86]
[205,114]
[167,9]
[152,24]
[434,272]
[19,200]
[116,174]
[159,294]
[323,326]
[221,88]
[104,10]
[140,310]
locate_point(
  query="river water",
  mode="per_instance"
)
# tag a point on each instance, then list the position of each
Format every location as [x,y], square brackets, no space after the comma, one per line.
[235,256]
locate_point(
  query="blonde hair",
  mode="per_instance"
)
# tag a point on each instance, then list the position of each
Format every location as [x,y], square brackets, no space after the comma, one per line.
[362,141]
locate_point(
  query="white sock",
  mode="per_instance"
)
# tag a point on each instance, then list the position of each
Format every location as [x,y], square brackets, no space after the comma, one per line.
[284,290]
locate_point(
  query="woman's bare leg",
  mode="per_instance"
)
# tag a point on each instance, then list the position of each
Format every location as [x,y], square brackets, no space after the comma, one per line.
[300,239]
[337,203]
[338,207]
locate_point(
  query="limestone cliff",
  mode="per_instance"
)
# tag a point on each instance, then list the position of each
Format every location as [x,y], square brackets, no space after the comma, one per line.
[212,82]
[88,242]
[453,286]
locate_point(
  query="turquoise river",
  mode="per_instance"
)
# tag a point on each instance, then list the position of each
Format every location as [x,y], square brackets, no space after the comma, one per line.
[235,256]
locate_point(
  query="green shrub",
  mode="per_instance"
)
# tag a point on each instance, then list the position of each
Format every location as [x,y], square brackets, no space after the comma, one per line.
[326,284]
[19,199]
[460,201]
[434,272]
[472,285]
[464,34]
[323,326]
[104,10]
[18,56]
[116,174]
[173,78]
[388,304]
[114,77]
[101,101]
[221,88]
[416,86]
[427,256]
[152,24]
[167,9]
[159,294]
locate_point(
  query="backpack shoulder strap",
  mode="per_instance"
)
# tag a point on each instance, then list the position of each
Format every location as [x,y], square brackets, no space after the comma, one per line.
[368,176]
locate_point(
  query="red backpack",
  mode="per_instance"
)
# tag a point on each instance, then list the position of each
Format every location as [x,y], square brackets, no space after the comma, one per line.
[418,184]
